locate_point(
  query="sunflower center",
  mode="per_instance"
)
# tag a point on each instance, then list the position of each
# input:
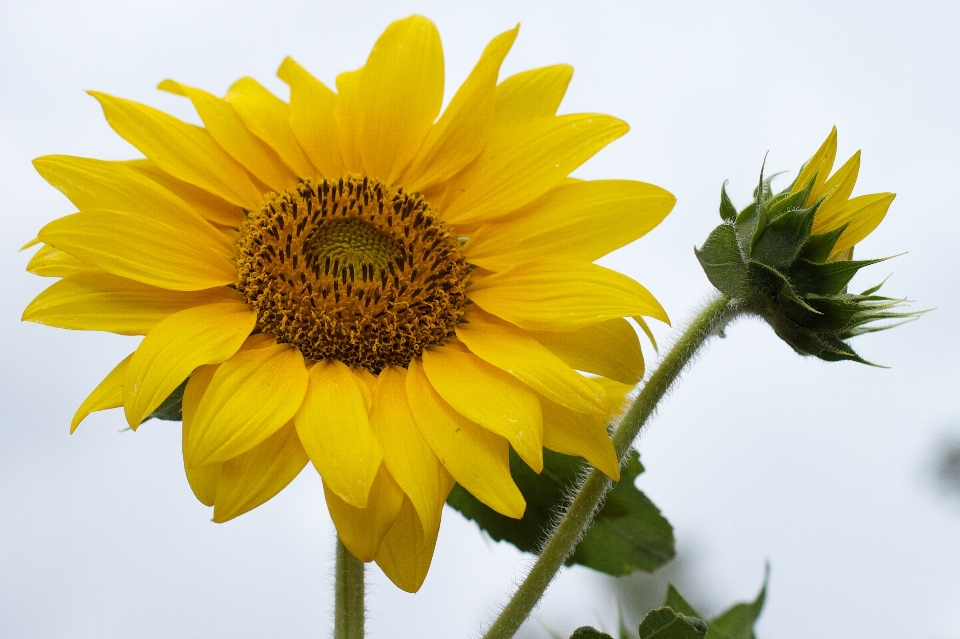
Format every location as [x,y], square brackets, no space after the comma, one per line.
[352,270]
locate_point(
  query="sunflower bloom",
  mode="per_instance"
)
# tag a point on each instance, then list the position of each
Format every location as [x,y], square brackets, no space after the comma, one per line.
[788,257]
[354,280]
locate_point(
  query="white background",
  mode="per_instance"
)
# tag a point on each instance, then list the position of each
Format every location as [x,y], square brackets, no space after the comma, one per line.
[822,469]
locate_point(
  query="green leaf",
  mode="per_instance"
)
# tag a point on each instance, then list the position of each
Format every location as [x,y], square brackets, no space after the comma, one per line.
[665,623]
[678,603]
[737,621]
[728,212]
[586,632]
[628,534]
[171,408]
[722,262]
[780,242]
[734,623]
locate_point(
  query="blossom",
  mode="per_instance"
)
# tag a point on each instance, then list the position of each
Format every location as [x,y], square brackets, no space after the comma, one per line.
[788,257]
[354,280]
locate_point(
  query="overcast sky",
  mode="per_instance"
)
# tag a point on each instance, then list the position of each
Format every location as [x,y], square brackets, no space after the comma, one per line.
[824,470]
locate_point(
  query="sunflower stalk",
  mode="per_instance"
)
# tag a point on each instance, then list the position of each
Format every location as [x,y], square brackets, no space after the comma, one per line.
[349,612]
[563,539]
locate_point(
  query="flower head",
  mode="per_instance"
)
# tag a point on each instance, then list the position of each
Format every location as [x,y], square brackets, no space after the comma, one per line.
[787,257]
[356,280]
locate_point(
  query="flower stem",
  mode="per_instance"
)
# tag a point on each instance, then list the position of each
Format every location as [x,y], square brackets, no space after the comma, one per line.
[348,609]
[708,323]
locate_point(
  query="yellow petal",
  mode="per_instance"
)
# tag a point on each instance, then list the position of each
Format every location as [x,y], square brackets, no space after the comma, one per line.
[407,550]
[251,396]
[203,480]
[557,296]
[476,458]
[519,164]
[819,165]
[406,453]
[401,91]
[488,396]
[116,186]
[574,221]
[572,433]
[168,354]
[531,95]
[518,353]
[334,427]
[368,385]
[228,130]
[142,248]
[362,529]
[346,114]
[465,125]
[52,262]
[836,192]
[269,118]
[184,151]
[312,107]
[107,394]
[610,349]
[211,207]
[96,301]
[862,214]
[256,476]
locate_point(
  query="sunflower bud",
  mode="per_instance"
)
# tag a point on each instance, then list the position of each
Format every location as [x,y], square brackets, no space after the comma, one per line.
[787,258]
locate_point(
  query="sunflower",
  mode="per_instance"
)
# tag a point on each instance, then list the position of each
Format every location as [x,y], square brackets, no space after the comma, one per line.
[355,280]
[858,216]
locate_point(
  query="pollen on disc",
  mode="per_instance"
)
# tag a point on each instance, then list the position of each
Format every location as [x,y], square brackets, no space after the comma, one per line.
[352,270]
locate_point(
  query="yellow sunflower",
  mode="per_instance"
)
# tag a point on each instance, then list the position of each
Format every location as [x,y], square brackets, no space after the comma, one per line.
[861,214]
[356,280]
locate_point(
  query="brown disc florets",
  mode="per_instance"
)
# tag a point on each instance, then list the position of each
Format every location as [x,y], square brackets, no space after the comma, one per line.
[352,270]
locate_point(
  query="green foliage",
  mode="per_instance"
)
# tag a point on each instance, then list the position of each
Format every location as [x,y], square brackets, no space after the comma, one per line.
[665,623]
[767,258]
[628,534]
[736,622]
[586,632]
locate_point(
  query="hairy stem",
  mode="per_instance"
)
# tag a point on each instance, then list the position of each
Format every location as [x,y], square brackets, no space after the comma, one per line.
[348,591]
[708,323]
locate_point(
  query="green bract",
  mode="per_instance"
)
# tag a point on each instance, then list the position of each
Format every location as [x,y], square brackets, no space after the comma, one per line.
[768,259]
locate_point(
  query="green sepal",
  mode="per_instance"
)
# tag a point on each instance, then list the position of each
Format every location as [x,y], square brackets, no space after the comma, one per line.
[666,623]
[784,201]
[781,240]
[628,534]
[778,283]
[721,261]
[819,247]
[170,409]
[746,227]
[728,212]
[826,278]
[587,632]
